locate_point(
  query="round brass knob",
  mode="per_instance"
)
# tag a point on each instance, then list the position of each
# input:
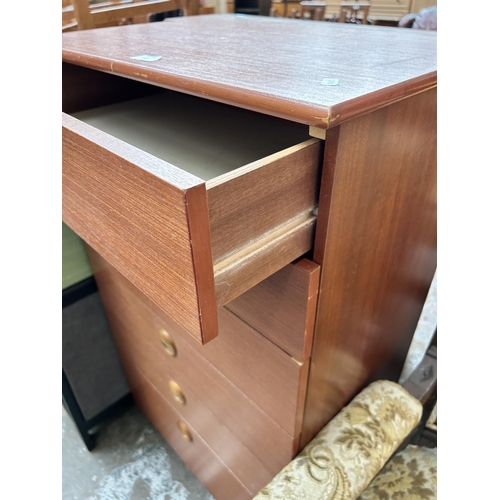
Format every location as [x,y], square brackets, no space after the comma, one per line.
[167,342]
[185,431]
[177,392]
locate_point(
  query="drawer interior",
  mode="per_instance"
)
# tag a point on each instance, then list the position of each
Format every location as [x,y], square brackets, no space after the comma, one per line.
[202,137]
[194,201]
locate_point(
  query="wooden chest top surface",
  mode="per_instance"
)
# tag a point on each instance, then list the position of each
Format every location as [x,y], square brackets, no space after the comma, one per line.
[282,67]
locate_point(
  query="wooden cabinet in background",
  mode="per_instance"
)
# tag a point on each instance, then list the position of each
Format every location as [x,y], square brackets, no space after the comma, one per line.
[260,215]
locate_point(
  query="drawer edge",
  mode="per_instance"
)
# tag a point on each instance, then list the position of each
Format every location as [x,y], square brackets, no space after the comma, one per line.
[264,257]
[147,220]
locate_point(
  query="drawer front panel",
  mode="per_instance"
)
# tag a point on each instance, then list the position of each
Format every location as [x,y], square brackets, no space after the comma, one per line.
[136,329]
[205,393]
[263,217]
[239,458]
[262,371]
[134,209]
[198,456]
[283,307]
[188,245]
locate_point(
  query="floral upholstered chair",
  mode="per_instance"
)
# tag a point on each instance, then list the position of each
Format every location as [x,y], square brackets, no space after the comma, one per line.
[363,452]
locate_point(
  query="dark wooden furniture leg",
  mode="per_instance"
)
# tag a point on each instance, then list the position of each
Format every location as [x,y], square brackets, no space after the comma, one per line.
[72,407]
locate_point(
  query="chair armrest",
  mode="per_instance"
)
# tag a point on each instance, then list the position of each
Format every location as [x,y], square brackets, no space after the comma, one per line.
[351,449]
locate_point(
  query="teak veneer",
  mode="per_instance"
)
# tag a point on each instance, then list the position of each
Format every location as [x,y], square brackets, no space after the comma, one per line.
[262,228]
[212,241]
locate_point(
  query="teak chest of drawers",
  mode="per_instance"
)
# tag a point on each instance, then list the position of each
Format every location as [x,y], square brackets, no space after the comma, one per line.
[261,221]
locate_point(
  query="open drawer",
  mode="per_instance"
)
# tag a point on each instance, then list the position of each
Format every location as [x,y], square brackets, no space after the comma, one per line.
[193,201]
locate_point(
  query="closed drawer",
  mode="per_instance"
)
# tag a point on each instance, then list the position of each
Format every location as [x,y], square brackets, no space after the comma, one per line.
[191,447]
[136,328]
[252,473]
[193,201]
[273,380]
[200,392]
[282,308]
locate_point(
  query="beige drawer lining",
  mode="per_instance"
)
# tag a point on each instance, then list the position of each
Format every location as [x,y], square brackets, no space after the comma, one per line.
[202,137]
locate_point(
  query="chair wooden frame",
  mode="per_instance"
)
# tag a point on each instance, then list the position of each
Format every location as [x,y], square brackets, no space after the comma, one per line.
[106,13]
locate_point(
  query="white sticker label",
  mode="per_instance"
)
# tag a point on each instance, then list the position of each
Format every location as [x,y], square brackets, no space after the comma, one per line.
[330,81]
[146,57]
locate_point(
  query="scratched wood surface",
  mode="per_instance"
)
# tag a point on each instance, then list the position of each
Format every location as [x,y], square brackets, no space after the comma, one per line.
[376,244]
[374,65]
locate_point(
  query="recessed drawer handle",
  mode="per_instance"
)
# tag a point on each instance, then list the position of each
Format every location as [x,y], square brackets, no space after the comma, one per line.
[185,431]
[167,342]
[177,392]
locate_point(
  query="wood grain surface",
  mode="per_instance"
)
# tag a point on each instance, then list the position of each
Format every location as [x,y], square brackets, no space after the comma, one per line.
[262,371]
[137,211]
[213,377]
[261,214]
[283,307]
[247,204]
[376,244]
[374,65]
[207,393]
[159,371]
[263,257]
[197,454]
